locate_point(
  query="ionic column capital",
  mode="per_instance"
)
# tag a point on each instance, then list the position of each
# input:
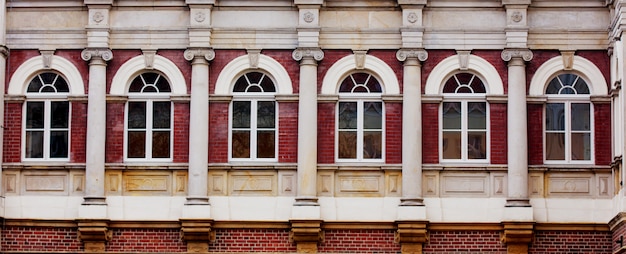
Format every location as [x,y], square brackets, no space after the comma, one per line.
[193,53]
[4,51]
[312,53]
[408,53]
[524,54]
[96,54]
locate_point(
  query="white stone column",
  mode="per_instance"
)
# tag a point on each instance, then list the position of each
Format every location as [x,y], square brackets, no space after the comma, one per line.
[199,125]
[412,126]
[517,142]
[96,125]
[307,125]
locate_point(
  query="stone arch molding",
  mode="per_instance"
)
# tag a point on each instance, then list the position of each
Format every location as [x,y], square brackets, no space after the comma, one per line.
[240,64]
[128,70]
[26,71]
[588,70]
[336,73]
[439,74]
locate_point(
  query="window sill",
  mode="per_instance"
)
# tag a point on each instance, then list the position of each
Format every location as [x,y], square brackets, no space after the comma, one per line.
[465,167]
[569,167]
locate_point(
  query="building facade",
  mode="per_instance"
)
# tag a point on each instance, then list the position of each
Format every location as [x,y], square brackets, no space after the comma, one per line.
[329,126]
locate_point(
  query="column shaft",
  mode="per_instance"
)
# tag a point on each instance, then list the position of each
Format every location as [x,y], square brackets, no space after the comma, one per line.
[307,132]
[412,134]
[96,132]
[198,131]
[517,135]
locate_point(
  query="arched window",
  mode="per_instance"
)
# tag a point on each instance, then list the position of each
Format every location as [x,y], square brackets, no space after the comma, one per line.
[149,115]
[464,119]
[253,118]
[47,118]
[568,120]
[360,118]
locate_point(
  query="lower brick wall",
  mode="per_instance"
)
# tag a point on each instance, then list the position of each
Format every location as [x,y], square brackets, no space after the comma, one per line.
[571,242]
[464,242]
[146,240]
[252,240]
[40,239]
[359,241]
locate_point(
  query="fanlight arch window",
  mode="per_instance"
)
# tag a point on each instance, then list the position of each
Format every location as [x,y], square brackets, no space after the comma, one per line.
[149,118]
[47,118]
[253,118]
[568,120]
[464,119]
[360,118]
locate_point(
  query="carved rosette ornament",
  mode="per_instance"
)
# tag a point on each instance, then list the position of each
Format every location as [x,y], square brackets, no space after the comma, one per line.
[308,17]
[315,53]
[404,54]
[411,17]
[89,54]
[517,16]
[207,53]
[98,17]
[509,54]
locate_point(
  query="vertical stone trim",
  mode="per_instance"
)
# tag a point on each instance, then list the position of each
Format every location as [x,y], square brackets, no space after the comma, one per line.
[411,235]
[306,234]
[307,123]
[412,125]
[94,234]
[517,133]
[4,54]
[517,236]
[197,234]
[96,124]
[199,124]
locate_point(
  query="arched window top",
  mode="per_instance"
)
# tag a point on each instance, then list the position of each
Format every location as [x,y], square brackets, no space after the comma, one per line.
[254,82]
[484,72]
[269,66]
[48,82]
[149,82]
[584,69]
[360,82]
[336,75]
[168,71]
[567,84]
[464,83]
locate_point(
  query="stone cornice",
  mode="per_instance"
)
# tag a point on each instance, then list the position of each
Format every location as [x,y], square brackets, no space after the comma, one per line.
[509,54]
[301,53]
[93,53]
[404,54]
[207,53]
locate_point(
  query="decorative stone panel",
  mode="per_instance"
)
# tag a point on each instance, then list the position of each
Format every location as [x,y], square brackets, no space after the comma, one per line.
[217,182]
[465,184]
[248,182]
[44,182]
[146,182]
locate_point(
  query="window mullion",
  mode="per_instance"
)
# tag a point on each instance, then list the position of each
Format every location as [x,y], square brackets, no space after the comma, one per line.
[148,130]
[253,128]
[464,130]
[359,130]
[46,129]
[568,131]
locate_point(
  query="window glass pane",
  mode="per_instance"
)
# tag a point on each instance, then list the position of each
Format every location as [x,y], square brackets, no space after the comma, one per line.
[360,83]
[161,144]
[555,146]
[34,114]
[58,144]
[581,86]
[34,85]
[553,87]
[241,144]
[266,144]
[581,146]
[241,114]
[136,115]
[451,145]
[451,115]
[347,115]
[60,111]
[555,116]
[162,114]
[580,117]
[477,115]
[477,145]
[267,84]
[34,144]
[266,114]
[347,144]
[136,144]
[163,85]
[373,115]
[372,144]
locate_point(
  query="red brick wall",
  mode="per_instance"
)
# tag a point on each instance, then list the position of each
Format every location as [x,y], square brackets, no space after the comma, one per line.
[40,239]
[291,66]
[218,132]
[115,132]
[15,60]
[464,242]
[539,57]
[547,242]
[325,133]
[178,58]
[330,57]
[434,57]
[618,231]
[430,133]
[601,59]
[602,132]
[498,132]
[389,57]
[359,241]
[119,58]
[494,57]
[222,58]
[535,134]
[12,151]
[181,132]
[288,132]
[78,132]
[146,240]
[393,133]
[252,240]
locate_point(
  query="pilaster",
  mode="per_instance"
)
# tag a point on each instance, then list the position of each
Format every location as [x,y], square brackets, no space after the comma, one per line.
[94,234]
[306,234]
[197,234]
[200,23]
[411,235]
[516,23]
[308,23]
[517,236]
[412,30]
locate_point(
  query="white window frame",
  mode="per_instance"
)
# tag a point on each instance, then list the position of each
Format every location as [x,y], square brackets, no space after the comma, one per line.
[360,98]
[464,99]
[47,98]
[253,98]
[568,101]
